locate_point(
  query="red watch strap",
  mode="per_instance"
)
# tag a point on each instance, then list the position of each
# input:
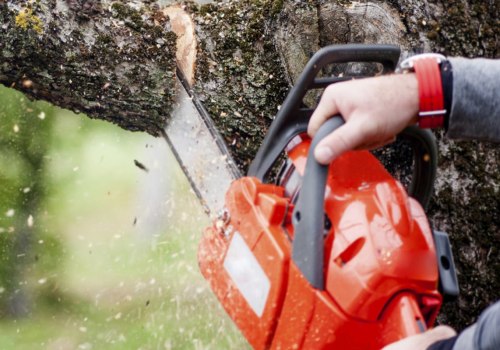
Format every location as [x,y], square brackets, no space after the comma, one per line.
[430,91]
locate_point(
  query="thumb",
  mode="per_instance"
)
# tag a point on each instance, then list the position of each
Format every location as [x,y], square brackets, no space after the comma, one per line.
[345,138]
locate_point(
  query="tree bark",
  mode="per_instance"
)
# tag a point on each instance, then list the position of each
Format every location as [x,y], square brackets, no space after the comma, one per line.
[117,63]
[105,59]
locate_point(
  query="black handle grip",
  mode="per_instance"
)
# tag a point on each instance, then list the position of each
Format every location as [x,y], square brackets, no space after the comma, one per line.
[308,215]
[424,146]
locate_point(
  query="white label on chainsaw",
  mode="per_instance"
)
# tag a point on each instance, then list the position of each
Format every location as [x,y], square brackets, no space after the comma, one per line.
[247,274]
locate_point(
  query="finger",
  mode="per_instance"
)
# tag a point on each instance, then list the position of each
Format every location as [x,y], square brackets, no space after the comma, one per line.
[347,137]
[326,108]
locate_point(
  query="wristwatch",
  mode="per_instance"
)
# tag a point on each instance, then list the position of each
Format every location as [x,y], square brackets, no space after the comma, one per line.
[430,88]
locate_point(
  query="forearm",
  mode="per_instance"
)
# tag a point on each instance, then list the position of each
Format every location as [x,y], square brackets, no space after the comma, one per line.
[484,334]
[475,111]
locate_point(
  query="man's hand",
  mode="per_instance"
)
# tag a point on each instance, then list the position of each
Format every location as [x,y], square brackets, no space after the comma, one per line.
[375,110]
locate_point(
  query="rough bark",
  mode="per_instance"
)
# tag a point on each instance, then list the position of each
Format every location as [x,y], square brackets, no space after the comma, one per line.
[106,59]
[116,63]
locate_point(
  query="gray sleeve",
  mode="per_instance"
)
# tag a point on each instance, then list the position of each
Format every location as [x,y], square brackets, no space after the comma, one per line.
[475,110]
[483,335]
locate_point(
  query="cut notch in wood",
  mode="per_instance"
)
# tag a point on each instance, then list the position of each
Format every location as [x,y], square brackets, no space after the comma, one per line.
[183,27]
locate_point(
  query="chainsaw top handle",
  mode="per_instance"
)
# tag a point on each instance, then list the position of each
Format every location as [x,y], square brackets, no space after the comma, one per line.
[292,118]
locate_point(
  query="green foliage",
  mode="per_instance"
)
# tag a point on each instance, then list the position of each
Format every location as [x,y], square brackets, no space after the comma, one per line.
[92,276]
[25,129]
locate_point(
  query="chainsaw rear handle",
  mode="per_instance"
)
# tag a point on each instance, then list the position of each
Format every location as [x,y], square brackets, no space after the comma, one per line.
[424,147]
[293,117]
[308,215]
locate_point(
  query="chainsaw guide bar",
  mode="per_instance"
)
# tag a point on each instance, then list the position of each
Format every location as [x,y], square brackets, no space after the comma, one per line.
[199,148]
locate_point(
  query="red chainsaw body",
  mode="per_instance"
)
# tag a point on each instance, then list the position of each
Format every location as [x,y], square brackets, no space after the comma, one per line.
[380,273]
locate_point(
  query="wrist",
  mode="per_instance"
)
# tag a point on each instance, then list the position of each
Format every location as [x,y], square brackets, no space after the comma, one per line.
[409,85]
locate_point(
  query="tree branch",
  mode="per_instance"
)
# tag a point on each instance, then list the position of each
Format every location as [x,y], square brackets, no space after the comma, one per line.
[107,60]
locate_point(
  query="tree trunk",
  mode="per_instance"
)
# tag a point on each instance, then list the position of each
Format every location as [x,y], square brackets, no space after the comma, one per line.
[116,63]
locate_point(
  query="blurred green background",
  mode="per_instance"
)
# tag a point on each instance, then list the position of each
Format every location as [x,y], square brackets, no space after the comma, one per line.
[95,252]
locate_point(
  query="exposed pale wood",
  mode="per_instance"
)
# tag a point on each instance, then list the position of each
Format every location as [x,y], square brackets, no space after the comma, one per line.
[183,26]
[373,22]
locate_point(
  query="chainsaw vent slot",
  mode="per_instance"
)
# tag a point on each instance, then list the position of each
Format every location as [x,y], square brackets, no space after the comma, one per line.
[351,251]
[290,180]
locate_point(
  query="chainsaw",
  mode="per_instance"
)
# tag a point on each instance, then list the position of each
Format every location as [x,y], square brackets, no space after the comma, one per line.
[307,256]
